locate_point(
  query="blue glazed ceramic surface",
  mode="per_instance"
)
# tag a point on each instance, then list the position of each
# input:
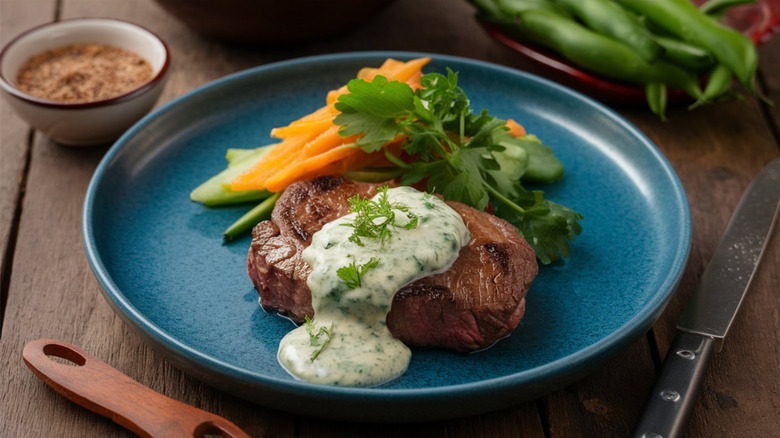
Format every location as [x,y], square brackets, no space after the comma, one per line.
[165,270]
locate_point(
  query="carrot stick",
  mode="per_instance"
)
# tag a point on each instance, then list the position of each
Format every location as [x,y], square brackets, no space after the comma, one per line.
[392,69]
[311,144]
[258,175]
[325,141]
[293,173]
[353,161]
[407,70]
[303,127]
[288,146]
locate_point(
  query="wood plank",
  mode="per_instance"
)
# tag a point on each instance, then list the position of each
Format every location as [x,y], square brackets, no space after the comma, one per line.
[769,60]
[15,144]
[742,384]
[605,403]
[716,150]
[505,423]
[713,170]
[55,294]
[52,291]
[15,17]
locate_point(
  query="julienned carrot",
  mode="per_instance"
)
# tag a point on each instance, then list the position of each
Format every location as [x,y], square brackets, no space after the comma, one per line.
[342,159]
[279,155]
[409,72]
[321,123]
[311,145]
[329,139]
[307,165]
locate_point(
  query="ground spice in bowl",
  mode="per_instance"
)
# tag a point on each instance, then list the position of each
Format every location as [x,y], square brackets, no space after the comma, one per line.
[79,73]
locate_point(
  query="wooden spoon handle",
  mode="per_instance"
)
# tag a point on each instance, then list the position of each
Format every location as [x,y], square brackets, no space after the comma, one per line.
[102,389]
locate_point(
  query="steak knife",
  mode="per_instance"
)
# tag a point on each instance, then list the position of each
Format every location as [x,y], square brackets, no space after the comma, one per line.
[708,316]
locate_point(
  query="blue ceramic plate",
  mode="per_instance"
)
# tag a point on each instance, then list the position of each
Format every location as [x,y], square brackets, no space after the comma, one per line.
[165,270]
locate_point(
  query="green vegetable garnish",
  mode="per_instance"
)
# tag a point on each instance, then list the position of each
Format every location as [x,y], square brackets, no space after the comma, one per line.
[468,156]
[320,338]
[260,212]
[216,190]
[352,273]
[374,218]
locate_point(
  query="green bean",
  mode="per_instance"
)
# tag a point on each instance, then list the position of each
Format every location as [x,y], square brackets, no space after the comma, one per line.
[716,8]
[599,53]
[514,7]
[684,54]
[656,98]
[609,19]
[718,83]
[682,19]
[245,223]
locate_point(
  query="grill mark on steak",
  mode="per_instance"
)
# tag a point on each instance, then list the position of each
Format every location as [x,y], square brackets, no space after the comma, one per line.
[478,301]
[499,253]
[300,231]
[327,183]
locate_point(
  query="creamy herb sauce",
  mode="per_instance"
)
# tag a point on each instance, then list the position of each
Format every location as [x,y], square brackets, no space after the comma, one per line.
[361,350]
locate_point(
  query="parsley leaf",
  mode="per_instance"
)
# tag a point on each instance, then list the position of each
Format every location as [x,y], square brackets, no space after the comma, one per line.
[545,224]
[468,157]
[371,108]
[318,338]
[352,273]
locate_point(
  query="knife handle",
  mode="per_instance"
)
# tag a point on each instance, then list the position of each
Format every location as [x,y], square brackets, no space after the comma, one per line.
[670,404]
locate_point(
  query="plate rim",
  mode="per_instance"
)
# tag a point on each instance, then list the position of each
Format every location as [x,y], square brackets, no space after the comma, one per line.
[183,355]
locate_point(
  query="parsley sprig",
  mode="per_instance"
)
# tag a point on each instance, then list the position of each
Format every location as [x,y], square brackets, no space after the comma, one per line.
[353,273]
[469,157]
[318,337]
[375,217]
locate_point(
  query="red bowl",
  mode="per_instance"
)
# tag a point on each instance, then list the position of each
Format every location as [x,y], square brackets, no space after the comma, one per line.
[759,21]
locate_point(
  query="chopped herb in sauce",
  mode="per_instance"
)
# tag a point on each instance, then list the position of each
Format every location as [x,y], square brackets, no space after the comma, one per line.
[316,338]
[376,216]
[352,273]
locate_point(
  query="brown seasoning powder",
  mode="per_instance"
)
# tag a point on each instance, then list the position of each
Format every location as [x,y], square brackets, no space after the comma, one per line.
[83,73]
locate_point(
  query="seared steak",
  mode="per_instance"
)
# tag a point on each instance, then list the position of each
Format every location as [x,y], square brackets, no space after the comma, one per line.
[479,300]
[275,262]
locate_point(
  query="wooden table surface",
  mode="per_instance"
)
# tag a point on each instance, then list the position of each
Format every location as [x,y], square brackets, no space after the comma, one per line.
[49,291]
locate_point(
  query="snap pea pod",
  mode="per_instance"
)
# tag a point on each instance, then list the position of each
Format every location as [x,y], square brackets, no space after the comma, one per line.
[718,83]
[656,98]
[245,223]
[596,52]
[609,19]
[684,54]
[682,19]
[716,8]
[514,7]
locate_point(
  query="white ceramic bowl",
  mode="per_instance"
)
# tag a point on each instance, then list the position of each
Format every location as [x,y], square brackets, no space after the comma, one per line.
[87,123]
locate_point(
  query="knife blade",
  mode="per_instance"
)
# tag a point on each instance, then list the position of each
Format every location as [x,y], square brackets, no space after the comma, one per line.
[708,316]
